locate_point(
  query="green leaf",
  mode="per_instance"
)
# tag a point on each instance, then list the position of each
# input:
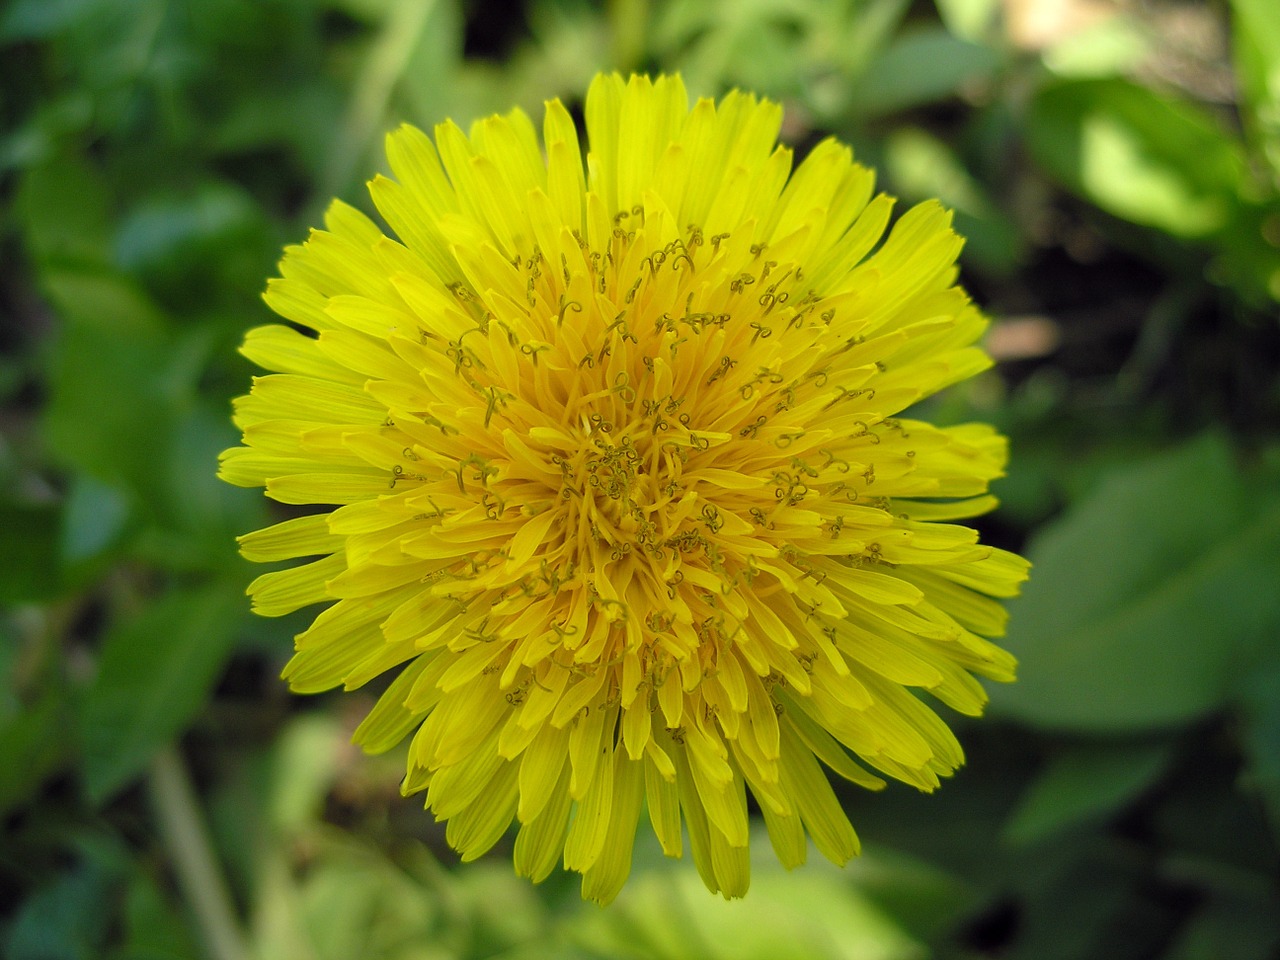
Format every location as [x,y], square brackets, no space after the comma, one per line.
[1260,733]
[1138,155]
[1229,928]
[198,516]
[109,411]
[922,166]
[1083,782]
[919,68]
[68,919]
[1148,598]
[62,206]
[33,742]
[95,517]
[29,19]
[193,241]
[1257,54]
[969,19]
[815,913]
[154,927]
[1113,45]
[154,675]
[29,568]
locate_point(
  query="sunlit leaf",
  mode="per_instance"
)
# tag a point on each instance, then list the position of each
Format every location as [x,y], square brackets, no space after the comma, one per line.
[807,914]
[1138,155]
[1111,46]
[969,19]
[1257,53]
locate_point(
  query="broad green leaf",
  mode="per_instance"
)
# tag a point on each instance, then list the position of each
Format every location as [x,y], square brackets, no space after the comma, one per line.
[198,516]
[29,19]
[185,237]
[110,408]
[919,68]
[154,927]
[33,742]
[29,567]
[95,517]
[153,677]
[1082,782]
[1138,155]
[68,918]
[1147,598]
[62,206]
[1072,899]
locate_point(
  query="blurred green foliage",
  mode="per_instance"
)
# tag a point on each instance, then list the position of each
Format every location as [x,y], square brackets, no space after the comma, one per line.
[1116,169]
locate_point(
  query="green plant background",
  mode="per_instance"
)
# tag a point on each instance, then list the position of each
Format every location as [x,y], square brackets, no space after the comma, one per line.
[1116,168]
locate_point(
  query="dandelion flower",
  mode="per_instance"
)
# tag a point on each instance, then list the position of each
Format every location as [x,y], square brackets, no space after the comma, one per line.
[615,482]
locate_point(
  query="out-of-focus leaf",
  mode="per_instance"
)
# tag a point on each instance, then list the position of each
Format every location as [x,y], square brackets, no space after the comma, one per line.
[1257,55]
[29,568]
[1138,155]
[110,410]
[921,166]
[352,902]
[434,60]
[198,515]
[1248,256]
[809,914]
[154,928]
[969,19]
[30,19]
[919,68]
[778,48]
[33,742]
[1260,710]
[68,919]
[1147,597]
[1230,928]
[1111,46]
[53,120]
[1082,782]
[154,674]
[1212,833]
[919,896]
[170,236]
[62,206]
[1074,904]
[305,761]
[95,516]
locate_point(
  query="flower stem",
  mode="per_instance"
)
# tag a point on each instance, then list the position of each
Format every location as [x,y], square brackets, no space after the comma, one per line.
[187,840]
[387,60]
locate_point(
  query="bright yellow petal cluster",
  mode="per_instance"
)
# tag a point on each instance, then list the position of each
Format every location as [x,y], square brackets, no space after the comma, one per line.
[618,482]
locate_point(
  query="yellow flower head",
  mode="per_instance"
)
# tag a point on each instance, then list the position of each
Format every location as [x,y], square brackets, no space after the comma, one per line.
[618,485]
